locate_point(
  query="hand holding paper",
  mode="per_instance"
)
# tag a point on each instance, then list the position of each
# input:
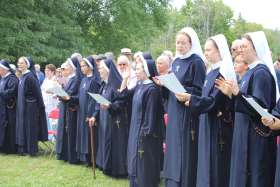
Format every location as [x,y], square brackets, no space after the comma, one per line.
[58,91]
[171,82]
[263,112]
[273,124]
[99,99]
[183,97]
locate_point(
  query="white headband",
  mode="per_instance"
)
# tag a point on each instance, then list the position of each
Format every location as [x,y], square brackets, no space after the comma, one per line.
[27,62]
[88,62]
[263,52]
[195,44]
[145,65]
[4,67]
[104,65]
[71,63]
[13,67]
[226,68]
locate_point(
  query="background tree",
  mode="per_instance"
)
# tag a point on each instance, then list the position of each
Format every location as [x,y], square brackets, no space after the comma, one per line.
[50,31]
[42,29]
[114,24]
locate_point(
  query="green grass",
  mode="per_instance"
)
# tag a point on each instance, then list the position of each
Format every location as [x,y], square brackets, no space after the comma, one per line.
[44,170]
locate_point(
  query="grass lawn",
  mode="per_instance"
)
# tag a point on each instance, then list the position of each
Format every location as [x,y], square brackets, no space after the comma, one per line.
[45,170]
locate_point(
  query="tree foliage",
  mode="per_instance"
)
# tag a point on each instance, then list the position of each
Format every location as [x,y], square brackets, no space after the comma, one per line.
[208,17]
[50,31]
[113,24]
[42,29]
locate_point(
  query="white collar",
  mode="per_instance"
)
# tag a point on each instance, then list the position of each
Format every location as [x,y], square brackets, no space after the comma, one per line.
[27,71]
[147,81]
[215,65]
[90,75]
[184,56]
[254,64]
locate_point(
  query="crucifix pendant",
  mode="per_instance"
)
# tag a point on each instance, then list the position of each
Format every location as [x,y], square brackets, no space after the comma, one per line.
[118,123]
[141,152]
[222,143]
[192,134]
[66,129]
[177,68]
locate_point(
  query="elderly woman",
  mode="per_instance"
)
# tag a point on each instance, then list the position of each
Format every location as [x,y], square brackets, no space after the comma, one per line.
[31,124]
[87,107]
[8,95]
[50,101]
[67,123]
[113,124]
[145,133]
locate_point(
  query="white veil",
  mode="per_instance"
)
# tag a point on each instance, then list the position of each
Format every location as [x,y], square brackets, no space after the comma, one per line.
[195,48]
[263,52]
[226,68]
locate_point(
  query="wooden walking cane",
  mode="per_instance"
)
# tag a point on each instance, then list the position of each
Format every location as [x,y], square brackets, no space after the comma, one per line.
[92,150]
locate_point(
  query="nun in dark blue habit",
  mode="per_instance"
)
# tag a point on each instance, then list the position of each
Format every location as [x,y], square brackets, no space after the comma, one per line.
[180,161]
[3,122]
[31,124]
[216,117]
[67,123]
[87,108]
[274,124]
[253,156]
[147,56]
[76,58]
[113,124]
[145,135]
[8,97]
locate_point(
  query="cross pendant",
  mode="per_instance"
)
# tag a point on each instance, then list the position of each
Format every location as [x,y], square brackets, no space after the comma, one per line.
[141,152]
[118,123]
[192,134]
[222,143]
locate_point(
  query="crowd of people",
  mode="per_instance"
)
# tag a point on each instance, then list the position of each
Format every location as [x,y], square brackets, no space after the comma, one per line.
[207,136]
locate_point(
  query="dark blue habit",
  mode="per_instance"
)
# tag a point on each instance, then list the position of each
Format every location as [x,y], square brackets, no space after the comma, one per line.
[3,122]
[31,124]
[147,56]
[67,123]
[180,162]
[112,127]
[215,133]
[76,63]
[145,135]
[277,173]
[276,113]
[8,97]
[253,149]
[87,109]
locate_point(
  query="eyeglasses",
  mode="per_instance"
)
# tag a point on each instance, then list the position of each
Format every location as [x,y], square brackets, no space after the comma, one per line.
[122,64]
